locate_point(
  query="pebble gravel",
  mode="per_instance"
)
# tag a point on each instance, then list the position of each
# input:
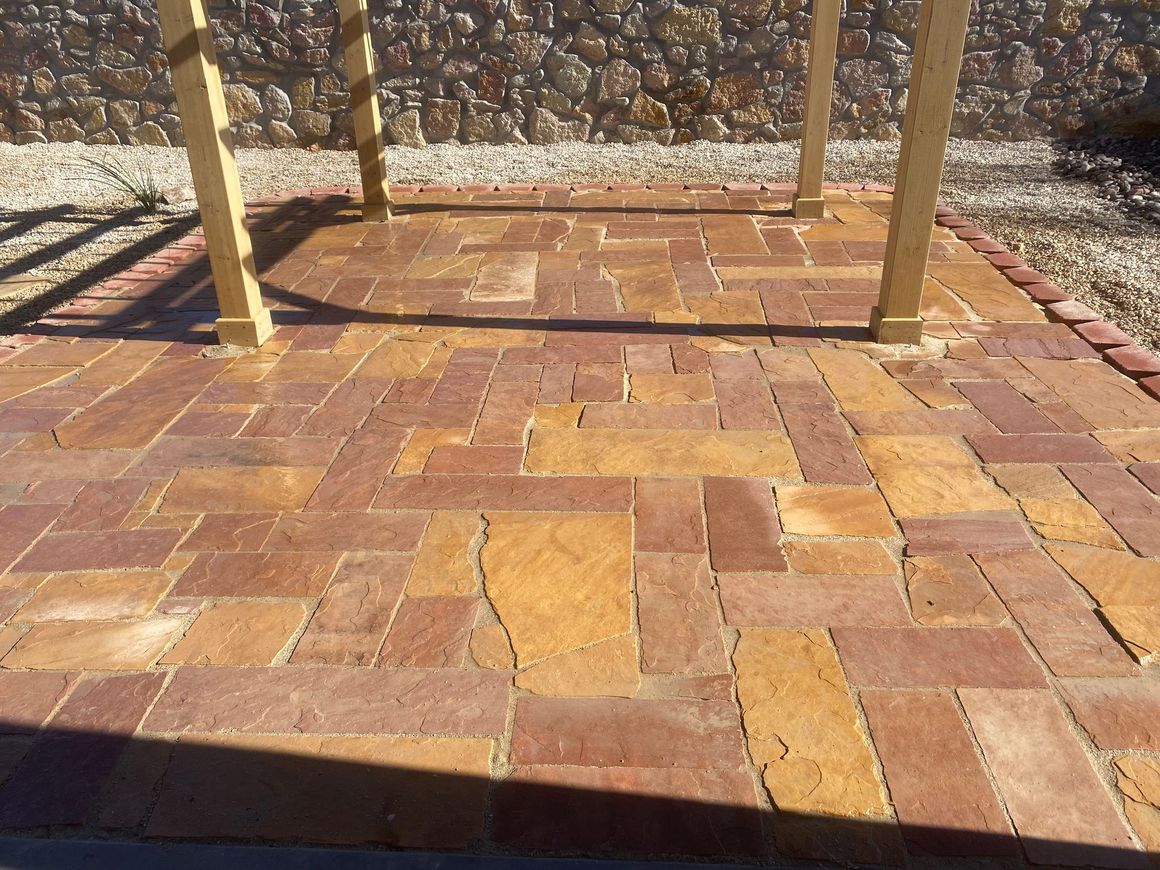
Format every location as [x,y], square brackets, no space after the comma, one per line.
[70,232]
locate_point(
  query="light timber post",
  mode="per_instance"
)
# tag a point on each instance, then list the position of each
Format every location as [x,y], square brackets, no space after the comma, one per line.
[808,202]
[938,54]
[368,123]
[206,125]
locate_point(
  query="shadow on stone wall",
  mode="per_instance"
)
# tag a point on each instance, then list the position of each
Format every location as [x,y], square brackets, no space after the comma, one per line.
[499,71]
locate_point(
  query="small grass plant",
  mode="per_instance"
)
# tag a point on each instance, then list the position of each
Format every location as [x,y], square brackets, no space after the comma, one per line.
[137,182]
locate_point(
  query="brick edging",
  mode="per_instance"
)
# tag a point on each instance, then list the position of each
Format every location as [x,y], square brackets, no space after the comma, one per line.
[1113,345]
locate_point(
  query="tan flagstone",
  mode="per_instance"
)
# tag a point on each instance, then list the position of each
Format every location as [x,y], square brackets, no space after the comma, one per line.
[722,310]
[1069,519]
[306,367]
[950,590]
[506,275]
[443,565]
[357,342]
[238,633]
[1132,445]
[833,510]
[95,595]
[397,359]
[1111,577]
[783,273]
[253,488]
[605,669]
[666,389]
[16,381]
[1097,392]
[840,557]
[732,234]
[1032,481]
[475,336]
[938,304]
[423,441]
[553,589]
[991,295]
[563,416]
[98,646]
[860,385]
[929,474]
[490,648]
[647,285]
[1139,780]
[1137,627]
[675,453]
[814,763]
[450,266]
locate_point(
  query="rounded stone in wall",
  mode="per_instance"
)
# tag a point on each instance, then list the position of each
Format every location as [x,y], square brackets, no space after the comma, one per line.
[148,133]
[276,103]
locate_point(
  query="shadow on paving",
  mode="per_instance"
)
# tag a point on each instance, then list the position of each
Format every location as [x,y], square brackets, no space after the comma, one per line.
[73,784]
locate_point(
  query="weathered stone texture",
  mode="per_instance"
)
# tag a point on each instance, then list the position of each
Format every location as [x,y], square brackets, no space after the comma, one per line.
[596,70]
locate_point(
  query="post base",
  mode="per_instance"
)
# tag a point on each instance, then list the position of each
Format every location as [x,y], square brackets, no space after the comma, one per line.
[245,331]
[809,207]
[376,212]
[895,330]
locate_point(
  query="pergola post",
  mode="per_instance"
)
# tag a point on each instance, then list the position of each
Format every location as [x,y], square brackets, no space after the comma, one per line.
[808,202]
[368,123]
[938,54]
[206,125]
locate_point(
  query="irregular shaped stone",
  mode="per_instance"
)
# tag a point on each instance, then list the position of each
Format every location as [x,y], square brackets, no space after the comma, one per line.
[949,590]
[608,668]
[1111,578]
[1139,781]
[554,591]
[1070,519]
[690,26]
[858,384]
[818,763]
[1138,628]
[1119,713]
[443,565]
[927,475]
[237,633]
[490,647]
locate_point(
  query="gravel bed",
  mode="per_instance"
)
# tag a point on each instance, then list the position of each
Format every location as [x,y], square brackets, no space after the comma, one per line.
[75,233]
[1126,171]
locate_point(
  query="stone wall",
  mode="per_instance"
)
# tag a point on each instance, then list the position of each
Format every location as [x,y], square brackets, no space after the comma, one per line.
[597,70]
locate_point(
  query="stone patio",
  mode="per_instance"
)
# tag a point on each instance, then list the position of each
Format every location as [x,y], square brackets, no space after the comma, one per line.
[584,521]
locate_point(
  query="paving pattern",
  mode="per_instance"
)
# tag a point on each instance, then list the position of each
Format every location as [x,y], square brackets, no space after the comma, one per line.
[589,521]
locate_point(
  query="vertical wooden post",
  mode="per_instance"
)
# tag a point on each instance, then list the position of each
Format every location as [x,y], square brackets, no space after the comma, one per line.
[808,202]
[938,54]
[368,123]
[206,125]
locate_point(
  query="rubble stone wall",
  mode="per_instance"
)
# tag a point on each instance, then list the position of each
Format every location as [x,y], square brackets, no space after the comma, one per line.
[588,70]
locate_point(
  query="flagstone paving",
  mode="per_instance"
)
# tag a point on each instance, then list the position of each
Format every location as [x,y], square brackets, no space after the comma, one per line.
[590,521]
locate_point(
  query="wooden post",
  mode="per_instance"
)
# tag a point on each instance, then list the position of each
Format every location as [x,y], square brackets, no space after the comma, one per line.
[934,77]
[808,202]
[368,123]
[198,86]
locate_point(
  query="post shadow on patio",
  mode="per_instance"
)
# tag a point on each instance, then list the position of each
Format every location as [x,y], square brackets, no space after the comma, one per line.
[244,321]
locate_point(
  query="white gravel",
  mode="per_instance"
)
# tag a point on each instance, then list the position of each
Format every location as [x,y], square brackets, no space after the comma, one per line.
[1058,225]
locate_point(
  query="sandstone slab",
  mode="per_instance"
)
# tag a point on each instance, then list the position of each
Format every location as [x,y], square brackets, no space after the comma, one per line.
[830,510]
[103,646]
[259,488]
[606,669]
[237,633]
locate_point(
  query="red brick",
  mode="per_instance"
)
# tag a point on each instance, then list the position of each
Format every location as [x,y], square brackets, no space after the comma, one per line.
[1024,275]
[333,701]
[1118,714]
[1103,335]
[944,801]
[507,492]
[1050,448]
[628,810]
[1062,811]
[430,632]
[668,516]
[617,732]
[1134,360]
[824,448]
[680,631]
[917,658]
[744,532]
[1005,406]
[776,601]
[1058,622]
[97,551]
[1128,507]
[994,532]
[351,620]
[1070,311]
[245,575]
[1044,293]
